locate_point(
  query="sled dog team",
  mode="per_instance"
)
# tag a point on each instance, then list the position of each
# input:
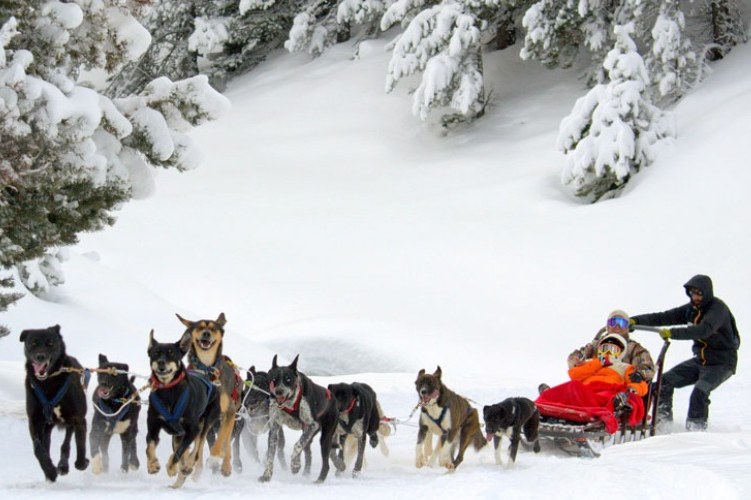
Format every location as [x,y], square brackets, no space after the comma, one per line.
[198,402]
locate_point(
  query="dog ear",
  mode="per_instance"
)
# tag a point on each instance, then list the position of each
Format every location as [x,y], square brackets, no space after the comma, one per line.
[273,362]
[184,321]
[185,341]
[293,365]
[421,372]
[437,372]
[24,333]
[102,359]
[221,320]
[152,341]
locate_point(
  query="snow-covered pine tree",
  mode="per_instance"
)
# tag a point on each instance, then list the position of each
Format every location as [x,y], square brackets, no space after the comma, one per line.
[324,23]
[239,36]
[727,27]
[612,131]
[442,42]
[71,155]
[170,22]
[672,63]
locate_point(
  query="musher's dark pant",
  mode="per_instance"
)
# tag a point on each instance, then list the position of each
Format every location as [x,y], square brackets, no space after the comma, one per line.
[705,380]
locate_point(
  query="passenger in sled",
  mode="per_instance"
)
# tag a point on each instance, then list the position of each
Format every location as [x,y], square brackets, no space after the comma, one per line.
[603,387]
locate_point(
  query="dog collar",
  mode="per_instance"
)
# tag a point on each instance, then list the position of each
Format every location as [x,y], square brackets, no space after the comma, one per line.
[156,384]
[296,405]
[351,405]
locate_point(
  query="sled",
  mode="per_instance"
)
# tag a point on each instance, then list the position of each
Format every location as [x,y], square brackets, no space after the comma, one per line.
[577,433]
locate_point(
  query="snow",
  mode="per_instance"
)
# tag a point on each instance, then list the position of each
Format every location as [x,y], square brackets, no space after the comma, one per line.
[328,221]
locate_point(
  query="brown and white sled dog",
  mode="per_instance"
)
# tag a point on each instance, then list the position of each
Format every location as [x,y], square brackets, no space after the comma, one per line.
[205,356]
[450,417]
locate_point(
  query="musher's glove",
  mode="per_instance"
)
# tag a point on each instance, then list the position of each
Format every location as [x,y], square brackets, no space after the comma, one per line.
[620,402]
[664,333]
[635,377]
[631,323]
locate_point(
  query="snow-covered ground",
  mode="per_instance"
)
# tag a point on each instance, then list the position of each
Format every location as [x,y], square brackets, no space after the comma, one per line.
[327,221]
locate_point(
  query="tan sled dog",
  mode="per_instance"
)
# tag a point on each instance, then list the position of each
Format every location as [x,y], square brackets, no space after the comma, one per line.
[450,417]
[205,356]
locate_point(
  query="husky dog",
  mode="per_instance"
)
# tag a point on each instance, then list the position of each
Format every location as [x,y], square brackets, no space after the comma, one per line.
[117,406]
[206,341]
[183,405]
[256,400]
[55,396]
[300,404]
[449,416]
[510,418]
[359,417]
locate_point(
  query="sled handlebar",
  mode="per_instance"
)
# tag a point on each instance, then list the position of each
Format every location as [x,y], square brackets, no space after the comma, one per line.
[647,328]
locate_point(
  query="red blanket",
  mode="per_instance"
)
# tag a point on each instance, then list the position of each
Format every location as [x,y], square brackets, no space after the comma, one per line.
[586,403]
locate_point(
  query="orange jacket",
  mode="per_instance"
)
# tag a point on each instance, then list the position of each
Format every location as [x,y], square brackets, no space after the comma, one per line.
[617,374]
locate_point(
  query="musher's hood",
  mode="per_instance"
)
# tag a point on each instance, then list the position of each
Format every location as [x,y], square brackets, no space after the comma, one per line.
[703,283]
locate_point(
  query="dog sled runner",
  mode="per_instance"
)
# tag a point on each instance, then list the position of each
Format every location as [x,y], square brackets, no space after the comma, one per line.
[580,433]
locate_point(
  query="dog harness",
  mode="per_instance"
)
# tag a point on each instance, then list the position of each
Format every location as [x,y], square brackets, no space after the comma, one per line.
[347,426]
[298,398]
[48,405]
[114,418]
[172,417]
[436,421]
[215,373]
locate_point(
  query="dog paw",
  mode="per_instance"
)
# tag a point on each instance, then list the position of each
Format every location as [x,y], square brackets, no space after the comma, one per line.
[153,467]
[81,463]
[96,464]
[420,462]
[50,474]
[264,478]
[214,463]
[63,468]
[355,473]
[294,465]
[374,441]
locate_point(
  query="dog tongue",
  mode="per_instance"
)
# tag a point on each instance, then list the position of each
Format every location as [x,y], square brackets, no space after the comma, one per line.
[103,393]
[489,436]
[40,368]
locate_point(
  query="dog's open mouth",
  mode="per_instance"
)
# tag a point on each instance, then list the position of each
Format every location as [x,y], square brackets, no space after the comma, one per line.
[40,369]
[103,392]
[281,399]
[489,436]
[427,398]
[205,344]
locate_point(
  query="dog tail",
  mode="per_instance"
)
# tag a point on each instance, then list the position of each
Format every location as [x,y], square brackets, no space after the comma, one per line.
[479,440]
[384,429]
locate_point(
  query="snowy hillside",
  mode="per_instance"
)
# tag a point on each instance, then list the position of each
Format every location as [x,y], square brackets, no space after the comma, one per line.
[327,221]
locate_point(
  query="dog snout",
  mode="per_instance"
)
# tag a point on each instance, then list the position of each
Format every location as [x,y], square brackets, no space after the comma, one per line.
[40,357]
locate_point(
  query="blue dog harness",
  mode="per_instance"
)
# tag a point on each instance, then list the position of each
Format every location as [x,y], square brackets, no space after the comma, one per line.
[48,405]
[173,416]
[110,414]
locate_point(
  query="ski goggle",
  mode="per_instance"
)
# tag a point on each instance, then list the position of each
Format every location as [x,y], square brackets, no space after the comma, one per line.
[618,321]
[608,351]
[694,291]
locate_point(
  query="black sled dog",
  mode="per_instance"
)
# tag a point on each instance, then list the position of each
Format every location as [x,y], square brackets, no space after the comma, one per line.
[183,405]
[359,417]
[450,417]
[55,396]
[510,418]
[116,411]
[300,404]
